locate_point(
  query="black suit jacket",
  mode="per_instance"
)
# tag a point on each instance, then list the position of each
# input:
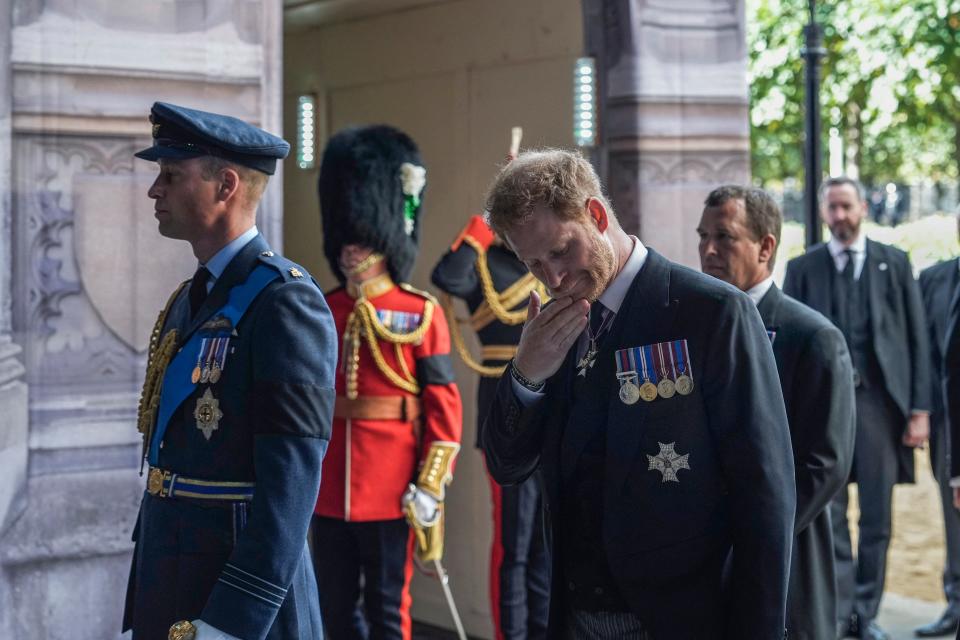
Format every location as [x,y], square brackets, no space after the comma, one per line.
[951,382]
[816,375]
[667,542]
[896,318]
[937,284]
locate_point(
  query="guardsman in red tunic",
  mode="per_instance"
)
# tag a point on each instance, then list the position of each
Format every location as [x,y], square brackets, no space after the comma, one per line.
[397,418]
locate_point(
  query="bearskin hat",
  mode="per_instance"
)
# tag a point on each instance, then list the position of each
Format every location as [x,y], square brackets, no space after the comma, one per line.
[370,186]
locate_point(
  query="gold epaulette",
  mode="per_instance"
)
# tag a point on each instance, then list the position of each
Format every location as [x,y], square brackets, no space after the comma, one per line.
[418,292]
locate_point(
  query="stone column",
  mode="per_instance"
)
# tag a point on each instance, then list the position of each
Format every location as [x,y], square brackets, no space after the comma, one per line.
[13,390]
[673,106]
[88,273]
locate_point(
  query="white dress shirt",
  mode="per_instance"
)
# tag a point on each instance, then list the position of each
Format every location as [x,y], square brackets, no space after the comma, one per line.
[757,291]
[218,263]
[838,252]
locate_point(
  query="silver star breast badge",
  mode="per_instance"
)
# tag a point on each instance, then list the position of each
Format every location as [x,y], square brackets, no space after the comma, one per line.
[208,414]
[668,462]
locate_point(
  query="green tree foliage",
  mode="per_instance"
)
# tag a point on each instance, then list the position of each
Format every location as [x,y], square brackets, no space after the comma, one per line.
[890,85]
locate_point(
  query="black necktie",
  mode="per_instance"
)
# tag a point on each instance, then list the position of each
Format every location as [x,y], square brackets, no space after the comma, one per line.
[598,313]
[848,268]
[198,290]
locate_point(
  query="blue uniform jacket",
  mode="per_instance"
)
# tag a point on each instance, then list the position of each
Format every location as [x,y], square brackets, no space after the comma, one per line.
[244,567]
[708,556]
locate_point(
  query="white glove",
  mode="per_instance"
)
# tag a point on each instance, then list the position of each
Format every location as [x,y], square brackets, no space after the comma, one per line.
[425,506]
[209,632]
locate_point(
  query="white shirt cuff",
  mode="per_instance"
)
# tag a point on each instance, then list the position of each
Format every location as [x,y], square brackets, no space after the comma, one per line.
[955,482]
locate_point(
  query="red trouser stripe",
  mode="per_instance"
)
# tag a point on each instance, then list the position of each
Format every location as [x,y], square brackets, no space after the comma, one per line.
[496,554]
[405,598]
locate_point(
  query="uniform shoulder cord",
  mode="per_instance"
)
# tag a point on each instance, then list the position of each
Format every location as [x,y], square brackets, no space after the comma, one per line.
[496,302]
[457,334]
[363,321]
[490,294]
[159,354]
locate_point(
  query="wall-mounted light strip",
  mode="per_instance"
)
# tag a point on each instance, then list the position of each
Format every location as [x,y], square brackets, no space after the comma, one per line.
[584,102]
[306,131]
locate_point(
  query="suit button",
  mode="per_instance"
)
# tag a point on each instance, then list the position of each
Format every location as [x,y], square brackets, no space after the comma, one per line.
[571,586]
[598,591]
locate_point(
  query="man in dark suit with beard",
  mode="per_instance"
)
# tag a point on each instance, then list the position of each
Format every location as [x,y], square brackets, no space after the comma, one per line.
[739,235]
[647,396]
[937,283]
[868,290]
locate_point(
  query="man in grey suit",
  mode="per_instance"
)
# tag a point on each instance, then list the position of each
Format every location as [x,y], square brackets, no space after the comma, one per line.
[937,284]
[739,234]
[868,290]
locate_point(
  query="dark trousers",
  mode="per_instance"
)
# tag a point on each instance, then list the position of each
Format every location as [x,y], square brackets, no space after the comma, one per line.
[363,576]
[875,465]
[939,450]
[519,563]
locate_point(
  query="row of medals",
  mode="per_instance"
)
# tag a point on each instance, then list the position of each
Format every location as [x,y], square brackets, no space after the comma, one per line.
[211,370]
[630,392]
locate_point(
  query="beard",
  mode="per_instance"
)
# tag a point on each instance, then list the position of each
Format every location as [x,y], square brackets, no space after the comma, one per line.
[845,231]
[602,267]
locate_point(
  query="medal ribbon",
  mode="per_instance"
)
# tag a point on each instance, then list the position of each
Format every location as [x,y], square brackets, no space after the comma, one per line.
[626,366]
[661,362]
[208,354]
[177,385]
[646,359]
[683,358]
[672,372]
[201,352]
[221,353]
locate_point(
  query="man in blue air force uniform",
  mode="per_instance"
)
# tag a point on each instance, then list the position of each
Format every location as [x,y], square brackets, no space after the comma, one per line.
[236,406]
[647,396]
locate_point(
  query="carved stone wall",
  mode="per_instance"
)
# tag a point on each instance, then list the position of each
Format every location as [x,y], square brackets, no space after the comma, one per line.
[83,271]
[673,111]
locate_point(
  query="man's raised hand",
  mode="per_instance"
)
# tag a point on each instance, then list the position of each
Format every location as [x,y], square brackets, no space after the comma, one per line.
[548,335]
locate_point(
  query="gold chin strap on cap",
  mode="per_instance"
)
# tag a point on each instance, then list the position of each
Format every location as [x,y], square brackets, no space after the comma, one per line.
[366,263]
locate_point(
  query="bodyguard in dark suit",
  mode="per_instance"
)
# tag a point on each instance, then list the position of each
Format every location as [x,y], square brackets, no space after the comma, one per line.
[951,387]
[739,234]
[937,284]
[868,290]
[660,432]
[236,407]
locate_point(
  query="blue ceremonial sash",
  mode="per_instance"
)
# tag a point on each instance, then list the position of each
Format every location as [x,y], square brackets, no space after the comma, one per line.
[177,385]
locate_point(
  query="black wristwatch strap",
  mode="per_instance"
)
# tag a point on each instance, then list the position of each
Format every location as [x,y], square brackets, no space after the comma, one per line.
[525,382]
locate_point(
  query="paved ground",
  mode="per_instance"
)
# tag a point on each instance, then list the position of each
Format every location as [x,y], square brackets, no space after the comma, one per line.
[899,615]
